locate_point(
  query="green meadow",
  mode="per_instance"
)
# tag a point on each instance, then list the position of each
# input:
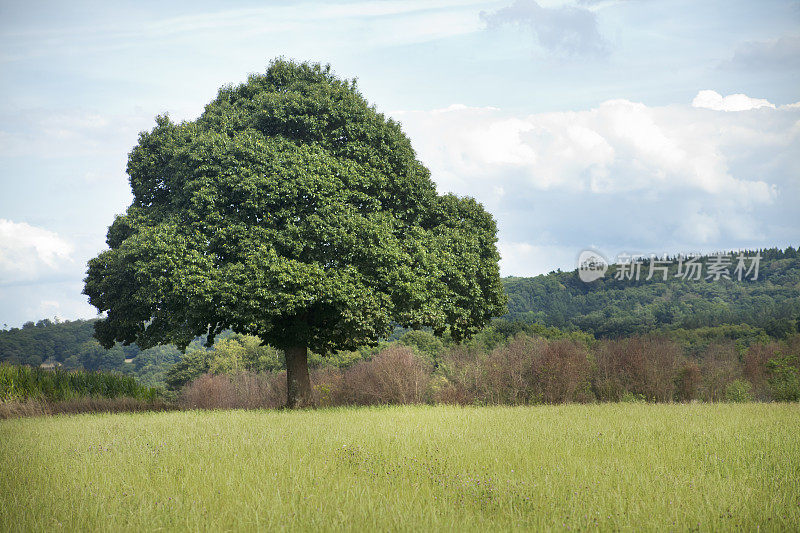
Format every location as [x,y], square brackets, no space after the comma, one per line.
[624,467]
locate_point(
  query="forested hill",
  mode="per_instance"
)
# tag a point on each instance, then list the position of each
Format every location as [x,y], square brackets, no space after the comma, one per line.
[612,307]
[70,344]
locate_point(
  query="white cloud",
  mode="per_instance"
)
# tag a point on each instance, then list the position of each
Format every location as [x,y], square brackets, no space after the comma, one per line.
[617,147]
[622,175]
[734,102]
[566,31]
[781,53]
[27,252]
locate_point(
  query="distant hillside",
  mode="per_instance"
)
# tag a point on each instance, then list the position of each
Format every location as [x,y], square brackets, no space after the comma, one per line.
[611,307]
[70,345]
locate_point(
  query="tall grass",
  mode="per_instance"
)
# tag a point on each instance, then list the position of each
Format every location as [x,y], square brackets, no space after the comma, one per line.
[606,467]
[21,383]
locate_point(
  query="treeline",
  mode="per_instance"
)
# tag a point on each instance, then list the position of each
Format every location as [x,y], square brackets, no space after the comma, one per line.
[612,307]
[526,370]
[70,345]
[559,304]
[243,353]
[509,363]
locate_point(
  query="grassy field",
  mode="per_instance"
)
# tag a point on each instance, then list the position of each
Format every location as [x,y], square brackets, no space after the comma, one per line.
[577,467]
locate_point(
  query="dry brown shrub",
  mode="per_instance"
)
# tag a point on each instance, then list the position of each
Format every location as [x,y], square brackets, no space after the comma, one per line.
[646,366]
[22,409]
[720,367]
[328,387]
[394,376]
[662,362]
[755,368]
[525,371]
[444,391]
[244,390]
[793,344]
[108,405]
[562,373]
[508,373]
[81,405]
[688,382]
[208,392]
[610,379]
[461,375]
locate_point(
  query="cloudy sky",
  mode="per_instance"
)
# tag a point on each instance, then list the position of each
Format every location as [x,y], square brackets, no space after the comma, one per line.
[630,126]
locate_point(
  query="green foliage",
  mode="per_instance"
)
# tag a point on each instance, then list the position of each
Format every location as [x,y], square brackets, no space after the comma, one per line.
[230,355]
[424,343]
[501,330]
[739,390]
[193,364]
[150,366]
[19,383]
[294,211]
[631,397]
[245,352]
[697,340]
[784,377]
[341,358]
[70,344]
[617,308]
[47,340]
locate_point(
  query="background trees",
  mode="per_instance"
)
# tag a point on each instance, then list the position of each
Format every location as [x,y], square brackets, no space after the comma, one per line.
[616,308]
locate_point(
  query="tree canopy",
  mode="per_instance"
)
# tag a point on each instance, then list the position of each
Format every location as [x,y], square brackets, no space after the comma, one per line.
[291,210]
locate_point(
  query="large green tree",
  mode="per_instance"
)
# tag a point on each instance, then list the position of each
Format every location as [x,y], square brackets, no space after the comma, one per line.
[291,210]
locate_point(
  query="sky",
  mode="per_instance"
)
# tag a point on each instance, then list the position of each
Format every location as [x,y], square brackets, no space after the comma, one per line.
[622,126]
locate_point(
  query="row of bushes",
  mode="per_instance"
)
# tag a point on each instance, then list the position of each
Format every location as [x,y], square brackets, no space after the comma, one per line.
[86,404]
[396,375]
[656,369]
[20,383]
[528,370]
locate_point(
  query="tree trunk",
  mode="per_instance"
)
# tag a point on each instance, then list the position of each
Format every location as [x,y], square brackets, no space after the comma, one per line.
[298,384]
